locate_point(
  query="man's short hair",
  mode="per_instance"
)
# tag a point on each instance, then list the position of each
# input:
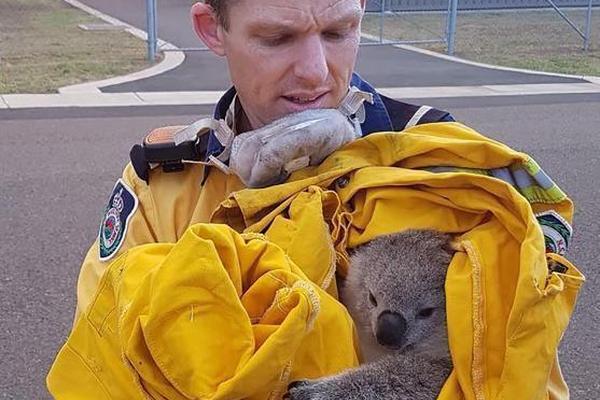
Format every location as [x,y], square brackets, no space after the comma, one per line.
[221,8]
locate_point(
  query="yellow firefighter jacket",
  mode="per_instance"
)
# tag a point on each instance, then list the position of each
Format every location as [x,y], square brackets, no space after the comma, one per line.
[219,315]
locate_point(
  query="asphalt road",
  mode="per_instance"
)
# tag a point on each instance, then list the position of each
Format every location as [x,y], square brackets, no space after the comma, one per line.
[59,166]
[382,66]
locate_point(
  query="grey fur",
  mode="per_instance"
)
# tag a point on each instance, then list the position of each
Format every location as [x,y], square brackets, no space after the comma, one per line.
[405,272]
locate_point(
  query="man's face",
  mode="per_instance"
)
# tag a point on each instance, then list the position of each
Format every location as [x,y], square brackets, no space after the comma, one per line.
[287,56]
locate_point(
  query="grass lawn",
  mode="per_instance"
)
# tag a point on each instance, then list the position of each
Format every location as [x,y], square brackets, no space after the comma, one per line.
[42,48]
[532,39]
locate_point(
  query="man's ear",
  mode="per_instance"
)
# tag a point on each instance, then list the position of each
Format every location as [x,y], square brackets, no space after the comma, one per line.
[207,27]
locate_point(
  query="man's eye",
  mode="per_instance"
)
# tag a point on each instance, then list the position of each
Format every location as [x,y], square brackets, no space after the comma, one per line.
[275,40]
[335,35]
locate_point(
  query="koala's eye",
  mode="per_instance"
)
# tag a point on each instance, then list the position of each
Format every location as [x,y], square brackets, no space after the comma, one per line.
[372,299]
[425,312]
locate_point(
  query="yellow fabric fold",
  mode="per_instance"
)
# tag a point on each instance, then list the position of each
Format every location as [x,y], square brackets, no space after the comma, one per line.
[218,315]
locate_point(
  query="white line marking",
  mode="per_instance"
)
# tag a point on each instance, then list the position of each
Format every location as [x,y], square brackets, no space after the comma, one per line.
[489,90]
[181,98]
[71,100]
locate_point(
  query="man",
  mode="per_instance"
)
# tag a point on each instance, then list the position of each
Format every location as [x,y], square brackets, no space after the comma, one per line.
[284,57]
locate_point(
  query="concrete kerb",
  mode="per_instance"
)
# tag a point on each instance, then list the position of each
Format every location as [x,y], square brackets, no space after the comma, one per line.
[172,59]
[135,99]
[593,79]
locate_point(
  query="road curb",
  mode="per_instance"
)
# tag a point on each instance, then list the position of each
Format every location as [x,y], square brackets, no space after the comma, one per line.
[172,58]
[136,99]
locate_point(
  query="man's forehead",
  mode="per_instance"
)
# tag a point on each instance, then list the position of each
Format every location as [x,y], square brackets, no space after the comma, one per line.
[296,12]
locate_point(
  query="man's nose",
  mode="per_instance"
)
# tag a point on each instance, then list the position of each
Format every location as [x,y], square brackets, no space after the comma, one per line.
[391,328]
[311,66]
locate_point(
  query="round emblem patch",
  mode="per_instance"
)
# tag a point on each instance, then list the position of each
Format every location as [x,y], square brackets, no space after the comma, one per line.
[121,206]
[111,227]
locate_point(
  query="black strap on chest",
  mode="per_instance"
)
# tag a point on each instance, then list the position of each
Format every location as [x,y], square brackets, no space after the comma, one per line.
[159,149]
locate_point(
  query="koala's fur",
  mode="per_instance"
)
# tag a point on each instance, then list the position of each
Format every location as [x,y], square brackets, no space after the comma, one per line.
[398,274]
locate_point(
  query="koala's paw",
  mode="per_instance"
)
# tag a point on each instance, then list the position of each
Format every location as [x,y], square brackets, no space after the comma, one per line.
[309,390]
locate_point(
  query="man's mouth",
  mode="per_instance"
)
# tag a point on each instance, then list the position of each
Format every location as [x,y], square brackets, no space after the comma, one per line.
[301,100]
[306,99]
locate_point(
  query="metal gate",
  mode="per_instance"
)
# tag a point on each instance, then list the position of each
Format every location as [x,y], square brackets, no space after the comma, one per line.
[391,7]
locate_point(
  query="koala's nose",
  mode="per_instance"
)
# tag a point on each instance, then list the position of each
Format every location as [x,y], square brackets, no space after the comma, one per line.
[391,328]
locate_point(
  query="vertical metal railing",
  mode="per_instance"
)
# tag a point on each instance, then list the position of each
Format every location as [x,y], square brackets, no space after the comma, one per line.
[588,27]
[381,21]
[151,28]
[451,26]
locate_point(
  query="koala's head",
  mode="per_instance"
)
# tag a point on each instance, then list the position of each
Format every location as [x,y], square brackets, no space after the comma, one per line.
[395,289]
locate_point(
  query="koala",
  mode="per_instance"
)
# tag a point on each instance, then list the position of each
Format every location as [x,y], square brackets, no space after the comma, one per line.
[394,291]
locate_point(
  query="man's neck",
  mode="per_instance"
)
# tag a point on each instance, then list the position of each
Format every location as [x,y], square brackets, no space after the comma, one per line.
[241,123]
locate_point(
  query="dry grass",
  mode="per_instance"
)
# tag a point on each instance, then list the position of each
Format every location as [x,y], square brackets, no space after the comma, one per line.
[42,48]
[533,39]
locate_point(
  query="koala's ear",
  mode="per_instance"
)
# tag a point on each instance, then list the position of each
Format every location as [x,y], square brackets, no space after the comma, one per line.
[452,245]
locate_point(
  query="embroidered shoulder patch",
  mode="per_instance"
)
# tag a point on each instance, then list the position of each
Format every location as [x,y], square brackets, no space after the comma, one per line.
[557,231]
[121,207]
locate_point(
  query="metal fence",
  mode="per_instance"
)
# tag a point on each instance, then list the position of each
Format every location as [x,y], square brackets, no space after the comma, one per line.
[446,37]
[441,5]
[450,7]
[387,7]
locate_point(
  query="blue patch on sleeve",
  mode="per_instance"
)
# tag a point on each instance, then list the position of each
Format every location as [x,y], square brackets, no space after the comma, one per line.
[121,207]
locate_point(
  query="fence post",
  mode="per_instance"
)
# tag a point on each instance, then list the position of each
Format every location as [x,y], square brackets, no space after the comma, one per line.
[588,28]
[381,21]
[451,27]
[151,28]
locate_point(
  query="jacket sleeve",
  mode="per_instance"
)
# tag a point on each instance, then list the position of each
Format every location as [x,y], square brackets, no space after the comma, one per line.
[122,228]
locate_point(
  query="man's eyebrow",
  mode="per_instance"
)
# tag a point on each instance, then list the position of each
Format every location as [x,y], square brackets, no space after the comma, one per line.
[352,15]
[345,20]
[270,26]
